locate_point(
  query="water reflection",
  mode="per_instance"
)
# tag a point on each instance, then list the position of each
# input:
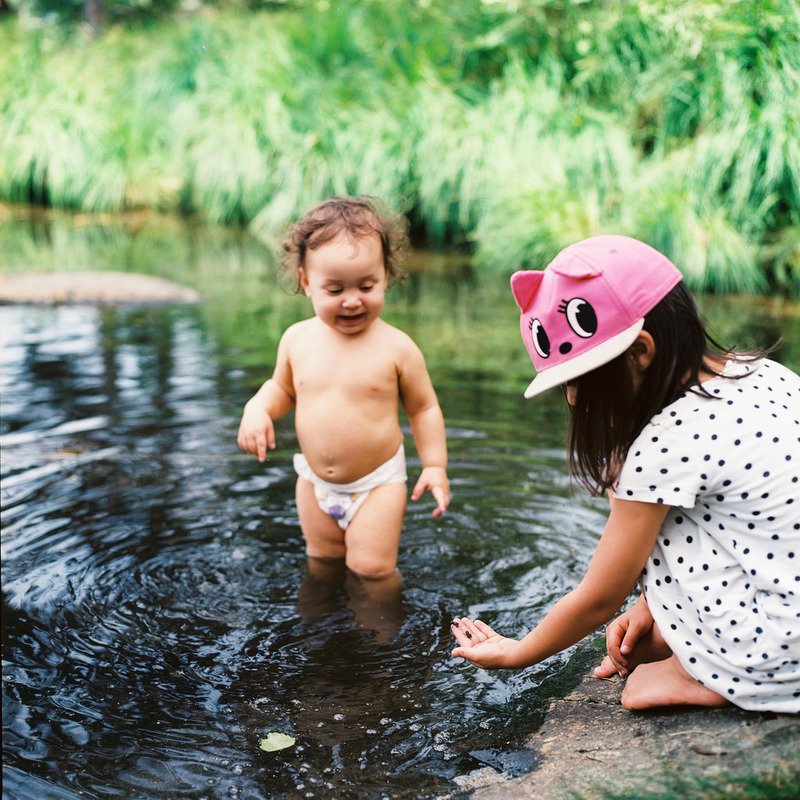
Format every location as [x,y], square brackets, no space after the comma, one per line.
[159,613]
[375,604]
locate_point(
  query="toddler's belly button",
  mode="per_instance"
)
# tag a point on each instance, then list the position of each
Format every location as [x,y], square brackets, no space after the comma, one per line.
[329,473]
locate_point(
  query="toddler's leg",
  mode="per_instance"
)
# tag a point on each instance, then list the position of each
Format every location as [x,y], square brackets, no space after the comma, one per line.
[324,538]
[373,536]
[318,591]
[375,603]
[666,683]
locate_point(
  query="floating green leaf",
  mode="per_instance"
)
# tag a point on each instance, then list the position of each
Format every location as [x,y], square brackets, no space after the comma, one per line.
[276,741]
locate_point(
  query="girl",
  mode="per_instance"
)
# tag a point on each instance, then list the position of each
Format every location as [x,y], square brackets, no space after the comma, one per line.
[699,450]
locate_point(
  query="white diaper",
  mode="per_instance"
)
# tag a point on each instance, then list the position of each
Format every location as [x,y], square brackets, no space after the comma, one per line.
[342,500]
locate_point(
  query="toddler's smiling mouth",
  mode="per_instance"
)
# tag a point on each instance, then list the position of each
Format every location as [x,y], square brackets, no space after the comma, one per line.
[351,319]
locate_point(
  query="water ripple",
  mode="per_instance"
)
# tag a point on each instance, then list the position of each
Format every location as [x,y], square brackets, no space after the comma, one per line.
[160,616]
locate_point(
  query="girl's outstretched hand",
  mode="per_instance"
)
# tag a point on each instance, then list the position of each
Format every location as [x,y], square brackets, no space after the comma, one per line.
[481,645]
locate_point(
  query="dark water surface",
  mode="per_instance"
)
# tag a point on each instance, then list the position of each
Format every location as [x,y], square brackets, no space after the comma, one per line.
[158,616]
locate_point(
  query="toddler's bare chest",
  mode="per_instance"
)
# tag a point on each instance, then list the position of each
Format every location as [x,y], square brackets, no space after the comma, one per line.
[367,376]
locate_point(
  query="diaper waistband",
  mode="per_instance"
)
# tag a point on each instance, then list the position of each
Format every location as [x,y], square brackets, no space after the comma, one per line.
[391,471]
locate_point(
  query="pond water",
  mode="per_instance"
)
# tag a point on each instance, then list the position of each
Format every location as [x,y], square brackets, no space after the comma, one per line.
[158,616]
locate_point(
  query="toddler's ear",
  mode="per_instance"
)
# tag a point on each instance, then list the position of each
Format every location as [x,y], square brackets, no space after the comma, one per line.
[524,285]
[303,280]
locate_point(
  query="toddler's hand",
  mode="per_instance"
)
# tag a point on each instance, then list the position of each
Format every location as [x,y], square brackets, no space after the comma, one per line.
[435,480]
[256,432]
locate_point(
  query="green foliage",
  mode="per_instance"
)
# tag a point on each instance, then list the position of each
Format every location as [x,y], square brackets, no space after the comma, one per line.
[510,127]
[101,11]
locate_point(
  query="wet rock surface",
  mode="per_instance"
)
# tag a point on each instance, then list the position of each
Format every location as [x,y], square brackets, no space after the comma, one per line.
[589,742]
[87,287]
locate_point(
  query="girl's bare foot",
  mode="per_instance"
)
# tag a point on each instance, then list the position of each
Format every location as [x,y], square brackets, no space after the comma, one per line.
[666,683]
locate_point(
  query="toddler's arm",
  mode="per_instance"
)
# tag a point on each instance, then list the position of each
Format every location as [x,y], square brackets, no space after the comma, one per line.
[272,400]
[427,427]
[256,430]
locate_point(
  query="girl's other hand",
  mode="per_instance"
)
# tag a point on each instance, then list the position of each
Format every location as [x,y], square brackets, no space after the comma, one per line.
[622,636]
[481,645]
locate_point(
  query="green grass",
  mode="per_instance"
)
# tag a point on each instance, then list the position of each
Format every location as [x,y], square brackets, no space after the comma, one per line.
[510,129]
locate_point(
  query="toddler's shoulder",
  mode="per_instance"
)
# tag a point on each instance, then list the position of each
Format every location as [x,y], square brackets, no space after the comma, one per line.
[396,337]
[298,330]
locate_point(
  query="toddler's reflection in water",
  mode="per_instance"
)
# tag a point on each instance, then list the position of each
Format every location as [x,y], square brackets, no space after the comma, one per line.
[374,602]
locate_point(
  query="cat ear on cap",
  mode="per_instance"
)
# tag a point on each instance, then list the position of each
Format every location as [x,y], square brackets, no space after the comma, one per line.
[524,285]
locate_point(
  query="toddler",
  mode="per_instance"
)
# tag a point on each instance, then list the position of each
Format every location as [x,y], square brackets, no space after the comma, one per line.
[344,371]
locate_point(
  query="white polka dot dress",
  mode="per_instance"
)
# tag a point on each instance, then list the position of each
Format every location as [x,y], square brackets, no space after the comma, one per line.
[723,581]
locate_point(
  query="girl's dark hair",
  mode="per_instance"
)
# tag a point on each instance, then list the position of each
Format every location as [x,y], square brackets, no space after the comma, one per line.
[358,217]
[607,417]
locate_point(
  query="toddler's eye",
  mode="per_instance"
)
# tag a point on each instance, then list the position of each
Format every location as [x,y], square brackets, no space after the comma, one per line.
[368,288]
[540,339]
[581,317]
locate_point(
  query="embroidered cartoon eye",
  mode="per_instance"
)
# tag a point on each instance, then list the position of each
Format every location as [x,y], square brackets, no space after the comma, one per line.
[581,317]
[540,339]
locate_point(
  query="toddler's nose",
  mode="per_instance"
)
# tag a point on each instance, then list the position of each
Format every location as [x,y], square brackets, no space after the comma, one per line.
[350,300]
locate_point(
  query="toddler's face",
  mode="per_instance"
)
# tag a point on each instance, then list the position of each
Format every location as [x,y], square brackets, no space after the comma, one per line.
[346,280]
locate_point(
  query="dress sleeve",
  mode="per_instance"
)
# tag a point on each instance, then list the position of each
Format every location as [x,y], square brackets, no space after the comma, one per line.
[668,462]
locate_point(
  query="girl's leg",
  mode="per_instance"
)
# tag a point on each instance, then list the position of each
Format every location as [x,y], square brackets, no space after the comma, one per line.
[666,683]
[324,538]
[372,539]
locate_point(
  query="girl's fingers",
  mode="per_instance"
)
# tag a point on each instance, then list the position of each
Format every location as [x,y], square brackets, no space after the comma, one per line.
[484,628]
[467,632]
[462,638]
[461,632]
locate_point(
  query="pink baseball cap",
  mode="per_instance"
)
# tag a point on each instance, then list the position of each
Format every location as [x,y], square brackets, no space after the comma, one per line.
[588,305]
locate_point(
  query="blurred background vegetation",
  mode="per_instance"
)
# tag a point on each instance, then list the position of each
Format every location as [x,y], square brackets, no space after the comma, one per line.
[506,128]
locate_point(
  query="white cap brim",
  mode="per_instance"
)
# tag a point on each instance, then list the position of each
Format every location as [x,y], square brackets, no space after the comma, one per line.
[585,362]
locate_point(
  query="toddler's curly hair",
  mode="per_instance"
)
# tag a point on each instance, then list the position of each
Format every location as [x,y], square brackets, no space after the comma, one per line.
[359,217]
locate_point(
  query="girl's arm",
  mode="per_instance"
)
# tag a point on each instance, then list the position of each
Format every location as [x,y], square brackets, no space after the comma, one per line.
[621,554]
[427,426]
